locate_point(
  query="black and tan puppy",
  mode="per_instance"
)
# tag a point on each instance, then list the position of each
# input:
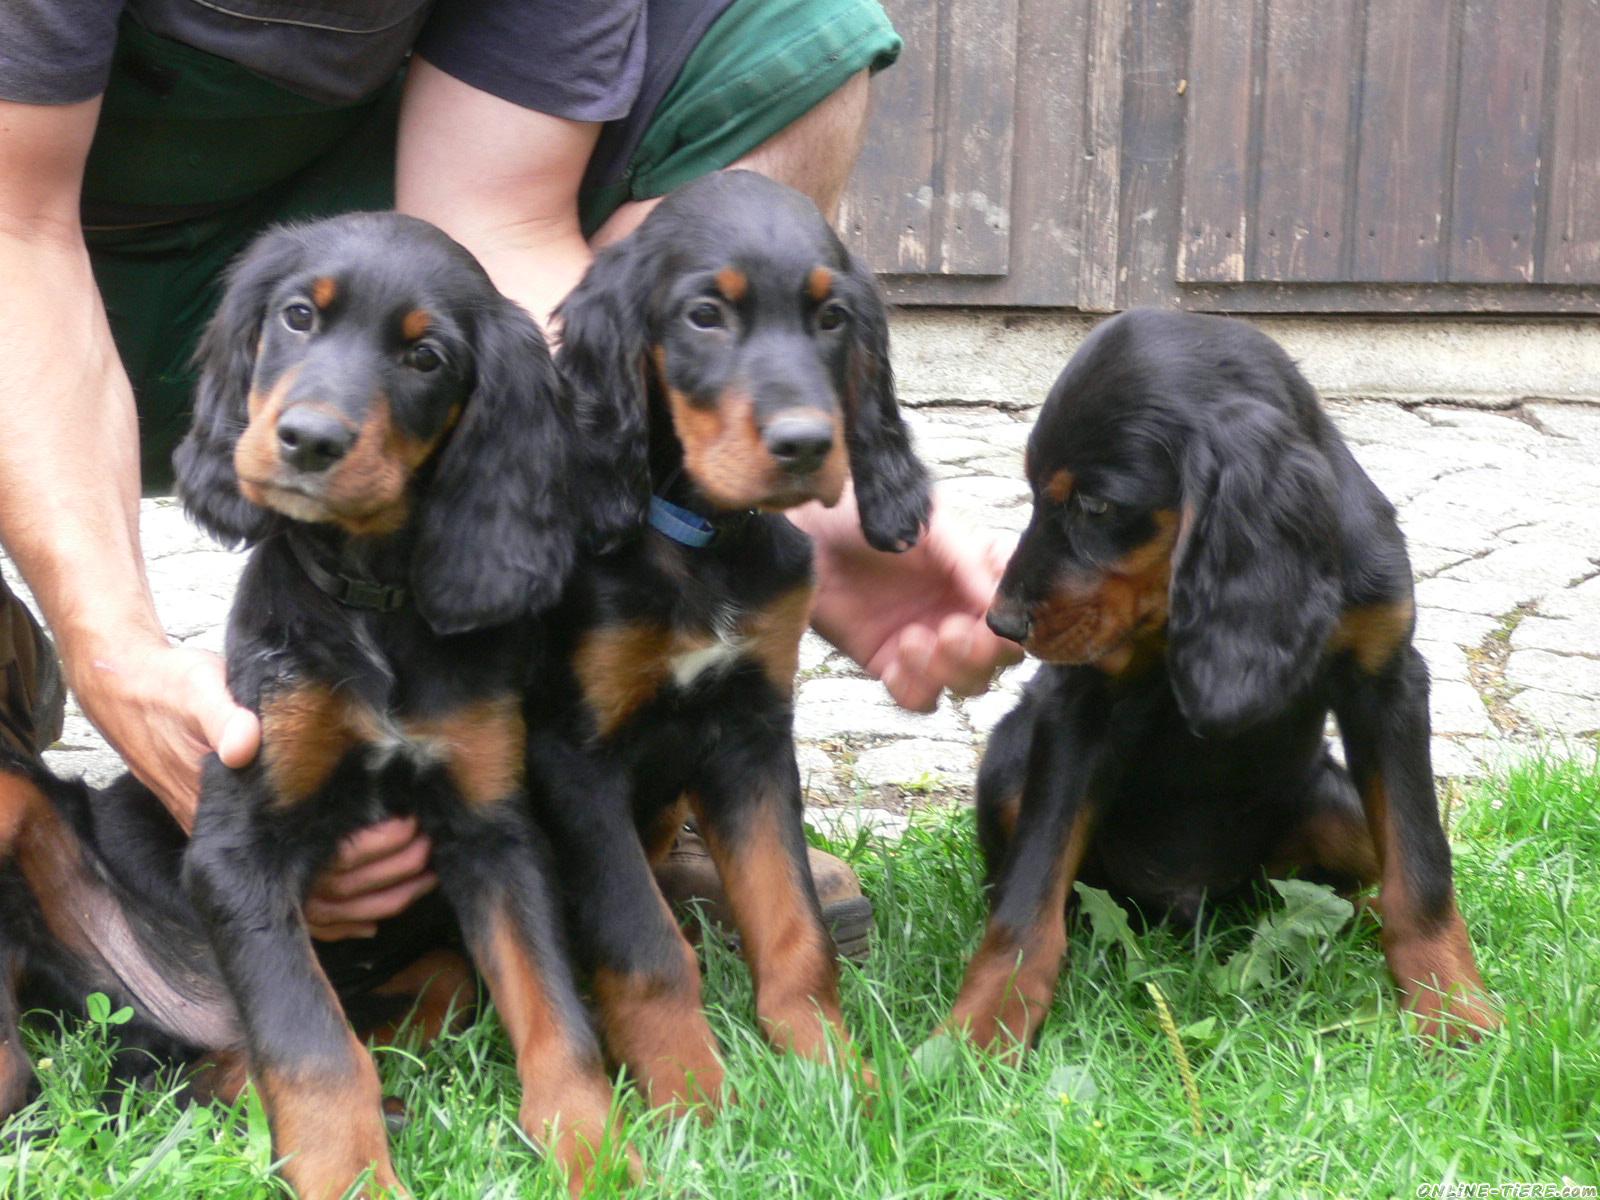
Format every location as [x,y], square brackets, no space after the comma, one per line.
[391,435]
[1208,573]
[751,351]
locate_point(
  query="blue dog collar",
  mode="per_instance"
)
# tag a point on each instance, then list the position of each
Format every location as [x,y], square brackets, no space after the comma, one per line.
[681,525]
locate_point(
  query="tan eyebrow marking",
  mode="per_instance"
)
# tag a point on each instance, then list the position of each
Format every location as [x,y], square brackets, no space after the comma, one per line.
[323,291]
[1059,486]
[819,283]
[732,283]
[416,323]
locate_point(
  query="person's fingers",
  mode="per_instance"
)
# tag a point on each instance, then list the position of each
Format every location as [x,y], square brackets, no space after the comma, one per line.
[914,692]
[406,863]
[968,654]
[240,739]
[341,932]
[958,658]
[374,842]
[233,732]
[375,906]
[902,667]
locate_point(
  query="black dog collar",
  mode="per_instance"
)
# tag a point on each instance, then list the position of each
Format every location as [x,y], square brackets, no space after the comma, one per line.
[349,590]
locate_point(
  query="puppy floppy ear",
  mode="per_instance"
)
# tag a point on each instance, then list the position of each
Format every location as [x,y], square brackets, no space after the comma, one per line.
[1255,577]
[602,354]
[226,356]
[891,484]
[496,531]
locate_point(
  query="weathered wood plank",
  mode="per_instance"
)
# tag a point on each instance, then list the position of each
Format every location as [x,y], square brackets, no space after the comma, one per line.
[1400,180]
[1217,138]
[1097,283]
[886,215]
[1311,63]
[1496,176]
[977,137]
[1156,95]
[1572,236]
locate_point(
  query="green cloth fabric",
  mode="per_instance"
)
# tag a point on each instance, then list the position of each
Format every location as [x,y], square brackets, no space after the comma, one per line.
[194,155]
[761,66]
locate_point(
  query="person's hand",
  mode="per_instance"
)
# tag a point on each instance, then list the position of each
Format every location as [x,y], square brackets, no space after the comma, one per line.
[163,709]
[379,872]
[913,620]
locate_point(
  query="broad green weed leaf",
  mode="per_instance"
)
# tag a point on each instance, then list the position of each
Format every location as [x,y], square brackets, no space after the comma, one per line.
[1107,921]
[1312,911]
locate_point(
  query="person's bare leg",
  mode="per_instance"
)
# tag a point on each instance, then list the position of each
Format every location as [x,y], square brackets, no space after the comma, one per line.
[814,155]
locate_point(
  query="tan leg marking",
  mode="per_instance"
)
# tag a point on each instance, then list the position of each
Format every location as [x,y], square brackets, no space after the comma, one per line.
[306,732]
[486,748]
[775,633]
[1375,632]
[620,668]
[1431,960]
[789,952]
[328,1126]
[558,1088]
[443,989]
[1012,978]
[1333,841]
[657,1027]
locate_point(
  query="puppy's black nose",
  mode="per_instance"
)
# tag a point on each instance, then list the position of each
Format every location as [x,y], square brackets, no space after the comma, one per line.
[1009,620]
[311,440]
[799,443]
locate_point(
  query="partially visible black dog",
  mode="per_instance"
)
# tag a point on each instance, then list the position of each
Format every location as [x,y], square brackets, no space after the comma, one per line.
[390,434]
[750,353]
[1208,573]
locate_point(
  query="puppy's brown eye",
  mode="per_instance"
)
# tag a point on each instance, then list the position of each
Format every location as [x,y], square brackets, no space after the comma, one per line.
[1093,505]
[832,317]
[424,358]
[298,317]
[706,315]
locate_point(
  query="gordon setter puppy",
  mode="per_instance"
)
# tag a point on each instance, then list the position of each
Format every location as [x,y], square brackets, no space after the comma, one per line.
[1207,573]
[390,434]
[752,353]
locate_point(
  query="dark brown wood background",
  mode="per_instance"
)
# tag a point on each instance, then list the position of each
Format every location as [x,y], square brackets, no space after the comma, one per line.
[1238,155]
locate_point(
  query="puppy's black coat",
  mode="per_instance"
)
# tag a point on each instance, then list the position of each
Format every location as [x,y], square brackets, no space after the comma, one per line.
[751,352]
[1207,573]
[390,435]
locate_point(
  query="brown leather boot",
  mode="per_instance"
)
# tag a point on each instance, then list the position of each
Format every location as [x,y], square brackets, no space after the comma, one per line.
[687,874]
[33,699]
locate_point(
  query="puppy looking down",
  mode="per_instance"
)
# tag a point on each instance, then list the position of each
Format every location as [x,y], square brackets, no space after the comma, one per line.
[1207,573]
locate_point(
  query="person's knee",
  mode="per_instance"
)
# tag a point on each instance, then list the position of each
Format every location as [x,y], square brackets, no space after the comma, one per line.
[816,153]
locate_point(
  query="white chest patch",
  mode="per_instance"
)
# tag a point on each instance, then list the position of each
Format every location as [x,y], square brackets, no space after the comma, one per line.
[718,656]
[391,741]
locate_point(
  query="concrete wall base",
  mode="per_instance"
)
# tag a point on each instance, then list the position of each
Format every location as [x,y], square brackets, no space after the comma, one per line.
[1009,358]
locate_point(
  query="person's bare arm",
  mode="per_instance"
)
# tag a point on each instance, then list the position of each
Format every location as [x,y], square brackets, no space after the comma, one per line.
[501,179]
[69,474]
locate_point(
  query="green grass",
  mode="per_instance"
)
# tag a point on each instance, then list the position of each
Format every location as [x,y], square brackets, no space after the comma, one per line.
[1308,1085]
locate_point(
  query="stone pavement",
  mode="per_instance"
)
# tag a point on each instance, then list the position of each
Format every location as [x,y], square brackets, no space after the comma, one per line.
[1501,507]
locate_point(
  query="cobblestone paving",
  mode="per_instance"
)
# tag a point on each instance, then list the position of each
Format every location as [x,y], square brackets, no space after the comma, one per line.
[1501,508]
